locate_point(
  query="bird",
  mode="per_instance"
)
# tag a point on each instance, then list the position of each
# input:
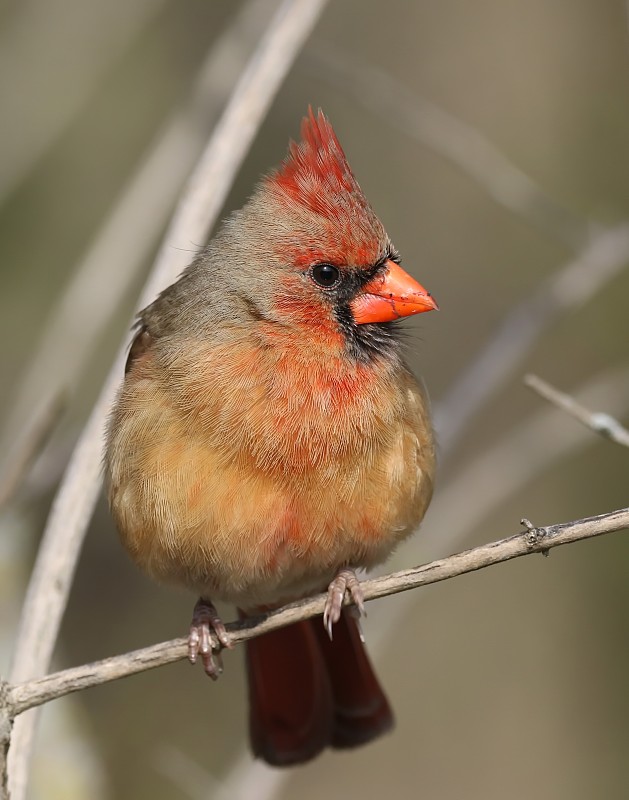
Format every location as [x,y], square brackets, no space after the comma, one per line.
[269,441]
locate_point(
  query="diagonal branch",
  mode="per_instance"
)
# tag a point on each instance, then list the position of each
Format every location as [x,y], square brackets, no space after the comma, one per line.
[532,540]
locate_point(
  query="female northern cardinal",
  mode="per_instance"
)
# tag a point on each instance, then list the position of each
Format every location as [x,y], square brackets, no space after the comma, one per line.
[268,439]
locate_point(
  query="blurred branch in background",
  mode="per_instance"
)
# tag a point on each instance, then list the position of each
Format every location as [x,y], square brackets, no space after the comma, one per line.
[65,61]
[597,421]
[565,291]
[532,540]
[29,446]
[190,778]
[196,213]
[453,139]
[122,245]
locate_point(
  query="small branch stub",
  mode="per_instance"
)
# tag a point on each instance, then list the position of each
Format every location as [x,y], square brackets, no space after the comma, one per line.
[535,536]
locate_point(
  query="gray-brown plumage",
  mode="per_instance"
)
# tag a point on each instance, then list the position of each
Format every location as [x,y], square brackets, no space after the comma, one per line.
[268,434]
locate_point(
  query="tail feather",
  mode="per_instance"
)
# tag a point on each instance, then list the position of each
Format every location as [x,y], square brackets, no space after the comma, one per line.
[361,709]
[290,698]
[307,693]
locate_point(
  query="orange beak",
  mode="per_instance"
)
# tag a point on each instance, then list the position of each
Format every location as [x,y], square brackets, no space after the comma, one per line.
[390,295]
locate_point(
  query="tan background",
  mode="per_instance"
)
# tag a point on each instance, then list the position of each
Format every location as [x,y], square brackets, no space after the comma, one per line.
[511,683]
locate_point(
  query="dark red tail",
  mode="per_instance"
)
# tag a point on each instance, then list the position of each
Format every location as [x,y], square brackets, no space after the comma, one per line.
[307,693]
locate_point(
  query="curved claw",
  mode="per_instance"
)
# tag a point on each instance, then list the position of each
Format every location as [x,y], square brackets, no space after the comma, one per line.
[345,581]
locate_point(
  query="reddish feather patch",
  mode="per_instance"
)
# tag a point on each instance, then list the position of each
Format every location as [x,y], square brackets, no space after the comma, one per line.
[317,161]
[315,177]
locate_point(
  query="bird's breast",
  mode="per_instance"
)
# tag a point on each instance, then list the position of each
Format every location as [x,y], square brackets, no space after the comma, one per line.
[255,476]
[288,409]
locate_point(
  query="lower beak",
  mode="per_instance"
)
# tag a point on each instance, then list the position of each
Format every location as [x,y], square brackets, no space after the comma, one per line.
[390,295]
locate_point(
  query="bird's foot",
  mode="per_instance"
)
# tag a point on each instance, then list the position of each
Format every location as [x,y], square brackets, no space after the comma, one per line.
[205,621]
[345,581]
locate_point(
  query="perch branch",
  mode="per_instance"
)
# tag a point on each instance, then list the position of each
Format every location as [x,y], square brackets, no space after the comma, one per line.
[532,540]
[597,421]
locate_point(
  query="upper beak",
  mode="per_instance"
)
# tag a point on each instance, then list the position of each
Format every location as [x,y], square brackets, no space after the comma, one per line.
[390,295]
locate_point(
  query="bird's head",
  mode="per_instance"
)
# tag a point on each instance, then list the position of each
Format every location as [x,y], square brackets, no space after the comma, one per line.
[317,256]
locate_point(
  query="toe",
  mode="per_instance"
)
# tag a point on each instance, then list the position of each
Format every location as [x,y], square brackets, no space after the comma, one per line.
[193,645]
[205,623]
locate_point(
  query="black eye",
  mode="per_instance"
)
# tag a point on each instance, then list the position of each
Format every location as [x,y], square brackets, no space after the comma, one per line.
[326,275]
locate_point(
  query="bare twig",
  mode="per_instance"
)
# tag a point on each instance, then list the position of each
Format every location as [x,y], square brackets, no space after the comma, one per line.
[197,212]
[597,421]
[30,446]
[564,291]
[526,452]
[451,138]
[532,540]
[111,265]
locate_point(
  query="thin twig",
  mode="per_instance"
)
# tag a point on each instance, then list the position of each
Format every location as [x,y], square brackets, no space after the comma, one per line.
[496,475]
[597,421]
[532,540]
[450,137]
[564,291]
[200,205]
[110,266]
[30,446]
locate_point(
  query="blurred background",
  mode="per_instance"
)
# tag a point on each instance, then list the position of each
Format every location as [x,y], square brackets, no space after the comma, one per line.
[493,140]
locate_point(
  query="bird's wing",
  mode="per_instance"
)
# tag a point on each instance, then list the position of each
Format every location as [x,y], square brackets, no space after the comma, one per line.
[139,346]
